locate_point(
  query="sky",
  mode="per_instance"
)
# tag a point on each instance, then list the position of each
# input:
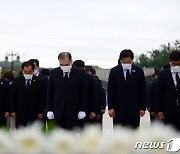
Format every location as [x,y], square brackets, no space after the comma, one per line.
[95,31]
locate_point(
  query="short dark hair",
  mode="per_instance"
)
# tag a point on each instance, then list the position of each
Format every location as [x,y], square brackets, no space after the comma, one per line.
[45,72]
[88,68]
[62,55]
[156,72]
[166,66]
[126,53]
[35,61]
[93,71]
[79,63]
[9,75]
[174,55]
[27,64]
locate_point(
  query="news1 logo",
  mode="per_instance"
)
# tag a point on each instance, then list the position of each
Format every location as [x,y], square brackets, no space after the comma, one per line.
[173,145]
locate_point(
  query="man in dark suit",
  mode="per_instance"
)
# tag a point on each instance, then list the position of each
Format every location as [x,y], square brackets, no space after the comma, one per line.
[91,99]
[27,105]
[152,96]
[66,93]
[126,92]
[4,112]
[169,102]
[45,83]
[99,94]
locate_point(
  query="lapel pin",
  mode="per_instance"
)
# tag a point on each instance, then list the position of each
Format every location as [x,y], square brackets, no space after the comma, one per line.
[133,71]
[1,82]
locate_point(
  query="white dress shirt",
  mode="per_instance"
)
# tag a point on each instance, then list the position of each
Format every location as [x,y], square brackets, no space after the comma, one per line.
[174,76]
[125,70]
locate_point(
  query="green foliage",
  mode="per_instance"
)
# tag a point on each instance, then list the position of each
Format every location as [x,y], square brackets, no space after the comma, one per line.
[157,58]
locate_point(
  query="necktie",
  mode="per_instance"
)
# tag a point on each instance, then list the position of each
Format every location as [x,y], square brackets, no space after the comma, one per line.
[127,75]
[66,77]
[28,83]
[177,78]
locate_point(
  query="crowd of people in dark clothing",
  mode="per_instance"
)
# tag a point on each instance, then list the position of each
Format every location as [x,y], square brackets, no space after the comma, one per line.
[72,95]
[25,98]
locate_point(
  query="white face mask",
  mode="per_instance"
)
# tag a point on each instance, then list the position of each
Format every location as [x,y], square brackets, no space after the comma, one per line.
[35,72]
[175,68]
[126,66]
[66,68]
[28,76]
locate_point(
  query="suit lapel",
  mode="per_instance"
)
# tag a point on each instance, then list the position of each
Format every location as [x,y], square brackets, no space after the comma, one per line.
[33,82]
[60,75]
[170,79]
[133,71]
[121,73]
[71,75]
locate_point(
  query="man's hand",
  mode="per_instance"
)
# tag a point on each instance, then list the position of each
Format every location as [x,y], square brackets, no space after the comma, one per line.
[99,117]
[40,116]
[6,114]
[111,113]
[13,115]
[103,111]
[92,115]
[161,115]
[149,109]
[152,114]
[141,113]
[50,115]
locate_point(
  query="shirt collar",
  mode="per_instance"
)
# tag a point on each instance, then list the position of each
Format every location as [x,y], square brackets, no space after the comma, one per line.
[130,68]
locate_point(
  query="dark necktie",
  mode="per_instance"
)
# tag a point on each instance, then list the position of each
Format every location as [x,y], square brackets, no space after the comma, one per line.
[127,75]
[177,78]
[28,83]
[66,77]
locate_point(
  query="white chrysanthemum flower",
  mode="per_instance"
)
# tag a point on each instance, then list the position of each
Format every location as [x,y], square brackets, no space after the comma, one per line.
[5,143]
[61,142]
[29,140]
[119,142]
[91,141]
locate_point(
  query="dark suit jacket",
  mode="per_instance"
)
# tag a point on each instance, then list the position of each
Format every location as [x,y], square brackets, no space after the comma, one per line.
[91,99]
[44,87]
[99,93]
[154,95]
[169,94]
[28,101]
[3,96]
[70,96]
[103,105]
[127,97]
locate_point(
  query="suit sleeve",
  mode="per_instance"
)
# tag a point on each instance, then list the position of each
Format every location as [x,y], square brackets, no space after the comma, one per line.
[111,89]
[6,96]
[41,97]
[149,87]
[13,100]
[50,93]
[93,96]
[103,106]
[99,96]
[143,91]
[161,92]
[83,94]
[155,96]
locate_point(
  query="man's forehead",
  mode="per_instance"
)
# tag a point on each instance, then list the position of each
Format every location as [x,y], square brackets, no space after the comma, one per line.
[27,68]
